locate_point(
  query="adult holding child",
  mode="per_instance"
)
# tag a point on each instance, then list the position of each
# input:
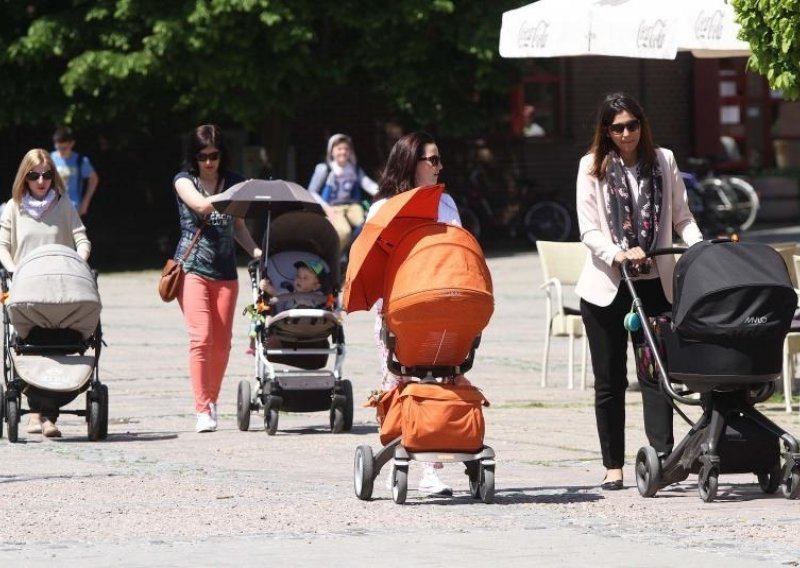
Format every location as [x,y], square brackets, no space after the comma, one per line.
[209,289]
[340,183]
[39,213]
[630,199]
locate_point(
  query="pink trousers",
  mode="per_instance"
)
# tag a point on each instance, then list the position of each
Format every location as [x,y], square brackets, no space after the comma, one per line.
[208,308]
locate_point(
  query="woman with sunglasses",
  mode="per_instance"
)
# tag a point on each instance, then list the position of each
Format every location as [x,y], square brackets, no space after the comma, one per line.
[414,161]
[209,288]
[37,214]
[630,198]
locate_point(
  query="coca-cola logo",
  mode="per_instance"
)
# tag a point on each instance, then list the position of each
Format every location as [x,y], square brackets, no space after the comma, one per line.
[709,26]
[652,35]
[533,35]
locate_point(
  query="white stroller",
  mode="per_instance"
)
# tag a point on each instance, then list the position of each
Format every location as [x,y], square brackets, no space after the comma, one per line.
[53,338]
[302,337]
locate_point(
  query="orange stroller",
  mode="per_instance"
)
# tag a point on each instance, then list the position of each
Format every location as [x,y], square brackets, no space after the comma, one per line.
[438,298]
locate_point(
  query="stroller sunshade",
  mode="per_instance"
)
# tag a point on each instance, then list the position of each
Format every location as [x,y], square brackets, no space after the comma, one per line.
[729,291]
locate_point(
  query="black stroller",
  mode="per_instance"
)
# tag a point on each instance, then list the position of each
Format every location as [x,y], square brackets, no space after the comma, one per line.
[53,338]
[723,341]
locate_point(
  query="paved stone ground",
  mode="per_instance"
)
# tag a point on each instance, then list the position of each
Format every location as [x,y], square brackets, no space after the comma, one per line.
[156,493]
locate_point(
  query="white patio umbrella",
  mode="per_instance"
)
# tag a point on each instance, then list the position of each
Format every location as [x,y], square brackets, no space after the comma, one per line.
[623,28]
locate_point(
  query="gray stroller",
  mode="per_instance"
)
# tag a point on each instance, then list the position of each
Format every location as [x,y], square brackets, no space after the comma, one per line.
[52,340]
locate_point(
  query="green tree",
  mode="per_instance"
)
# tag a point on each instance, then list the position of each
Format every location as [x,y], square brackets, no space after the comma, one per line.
[431,63]
[771,27]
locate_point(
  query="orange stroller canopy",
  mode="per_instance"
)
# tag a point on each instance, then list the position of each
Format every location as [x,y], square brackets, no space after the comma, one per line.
[437,295]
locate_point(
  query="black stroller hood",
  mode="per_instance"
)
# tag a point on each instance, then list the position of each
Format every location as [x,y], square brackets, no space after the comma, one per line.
[732,291]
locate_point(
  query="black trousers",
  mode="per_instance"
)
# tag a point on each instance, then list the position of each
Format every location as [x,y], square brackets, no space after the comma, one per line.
[608,344]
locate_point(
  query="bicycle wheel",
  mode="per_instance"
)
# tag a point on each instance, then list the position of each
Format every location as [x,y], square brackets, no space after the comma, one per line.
[719,201]
[547,221]
[746,204]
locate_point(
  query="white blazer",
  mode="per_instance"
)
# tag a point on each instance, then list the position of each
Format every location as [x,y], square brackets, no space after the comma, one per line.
[600,280]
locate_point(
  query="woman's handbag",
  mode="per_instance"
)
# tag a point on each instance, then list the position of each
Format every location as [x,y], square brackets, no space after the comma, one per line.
[172,273]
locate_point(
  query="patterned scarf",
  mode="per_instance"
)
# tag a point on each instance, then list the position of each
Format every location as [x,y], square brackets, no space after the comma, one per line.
[36,208]
[619,209]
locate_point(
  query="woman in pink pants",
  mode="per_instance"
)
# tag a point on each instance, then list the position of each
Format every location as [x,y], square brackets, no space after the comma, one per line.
[207,296]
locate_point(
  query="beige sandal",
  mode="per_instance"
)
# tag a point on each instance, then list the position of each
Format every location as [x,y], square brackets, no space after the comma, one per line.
[34,424]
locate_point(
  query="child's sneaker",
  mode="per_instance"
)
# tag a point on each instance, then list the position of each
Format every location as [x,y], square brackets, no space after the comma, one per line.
[430,484]
[250,351]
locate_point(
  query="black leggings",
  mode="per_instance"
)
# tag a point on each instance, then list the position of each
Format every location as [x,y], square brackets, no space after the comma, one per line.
[608,344]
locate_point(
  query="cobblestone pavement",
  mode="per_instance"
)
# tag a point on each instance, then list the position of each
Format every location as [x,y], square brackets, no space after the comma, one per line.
[158,494]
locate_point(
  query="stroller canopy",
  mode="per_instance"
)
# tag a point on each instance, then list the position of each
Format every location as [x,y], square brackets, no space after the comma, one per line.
[438,295]
[728,291]
[304,231]
[54,288]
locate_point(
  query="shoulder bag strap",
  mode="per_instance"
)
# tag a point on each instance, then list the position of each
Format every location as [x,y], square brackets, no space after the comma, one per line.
[194,240]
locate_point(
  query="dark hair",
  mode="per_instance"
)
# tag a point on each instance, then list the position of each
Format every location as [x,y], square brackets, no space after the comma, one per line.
[401,166]
[602,144]
[201,138]
[63,134]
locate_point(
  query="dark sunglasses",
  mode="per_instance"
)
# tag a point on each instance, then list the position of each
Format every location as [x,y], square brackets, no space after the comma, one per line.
[34,176]
[631,125]
[433,160]
[202,156]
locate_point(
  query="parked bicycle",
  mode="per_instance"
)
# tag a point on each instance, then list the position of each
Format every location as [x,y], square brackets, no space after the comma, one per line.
[724,204]
[521,215]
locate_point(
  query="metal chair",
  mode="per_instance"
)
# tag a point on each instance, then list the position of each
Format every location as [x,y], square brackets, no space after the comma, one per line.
[561,266]
[791,346]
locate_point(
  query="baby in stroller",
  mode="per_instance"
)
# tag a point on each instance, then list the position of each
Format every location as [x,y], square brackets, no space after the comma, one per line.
[306,292]
[295,322]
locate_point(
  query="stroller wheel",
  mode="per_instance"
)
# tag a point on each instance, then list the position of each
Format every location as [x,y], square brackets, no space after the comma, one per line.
[243,406]
[94,416]
[103,412]
[399,483]
[337,419]
[486,486]
[347,390]
[473,472]
[791,485]
[2,409]
[648,471]
[707,482]
[12,417]
[770,481]
[271,421]
[363,472]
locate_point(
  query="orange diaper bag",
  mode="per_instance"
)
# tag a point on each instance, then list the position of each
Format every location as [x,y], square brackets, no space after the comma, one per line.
[433,417]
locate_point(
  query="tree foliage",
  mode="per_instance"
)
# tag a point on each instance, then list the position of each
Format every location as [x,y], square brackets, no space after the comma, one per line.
[430,62]
[771,27]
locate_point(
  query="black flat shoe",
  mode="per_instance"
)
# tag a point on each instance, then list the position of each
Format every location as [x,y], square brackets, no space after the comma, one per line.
[612,485]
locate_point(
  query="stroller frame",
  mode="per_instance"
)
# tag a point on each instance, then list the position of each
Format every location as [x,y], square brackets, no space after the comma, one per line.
[699,451]
[480,466]
[11,410]
[272,383]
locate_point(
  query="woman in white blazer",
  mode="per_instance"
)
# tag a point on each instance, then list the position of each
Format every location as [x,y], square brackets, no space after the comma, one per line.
[630,197]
